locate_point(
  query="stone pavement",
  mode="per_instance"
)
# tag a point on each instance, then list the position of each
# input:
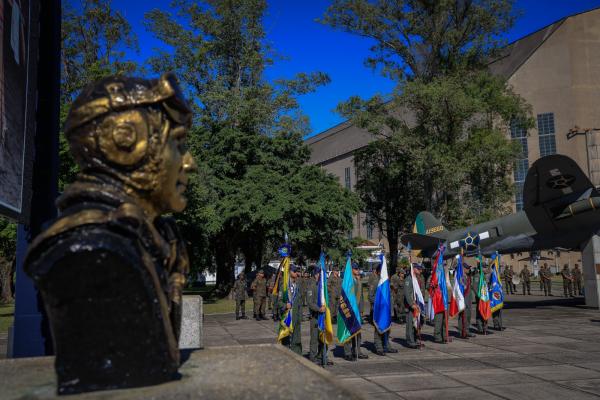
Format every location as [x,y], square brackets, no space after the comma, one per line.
[549,350]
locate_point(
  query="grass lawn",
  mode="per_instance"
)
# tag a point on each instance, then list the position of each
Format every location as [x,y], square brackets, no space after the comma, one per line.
[6,316]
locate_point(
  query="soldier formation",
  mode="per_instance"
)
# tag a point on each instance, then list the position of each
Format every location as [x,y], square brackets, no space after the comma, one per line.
[303,294]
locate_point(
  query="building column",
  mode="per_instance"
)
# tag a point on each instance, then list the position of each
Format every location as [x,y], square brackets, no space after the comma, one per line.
[590,256]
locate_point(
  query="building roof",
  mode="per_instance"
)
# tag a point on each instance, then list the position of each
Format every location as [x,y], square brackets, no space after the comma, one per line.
[511,58]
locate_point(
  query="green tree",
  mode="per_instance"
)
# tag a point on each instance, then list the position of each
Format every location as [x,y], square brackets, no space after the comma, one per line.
[253,184]
[8,240]
[95,38]
[448,113]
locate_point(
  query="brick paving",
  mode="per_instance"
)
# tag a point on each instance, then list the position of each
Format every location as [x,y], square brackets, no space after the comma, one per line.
[550,349]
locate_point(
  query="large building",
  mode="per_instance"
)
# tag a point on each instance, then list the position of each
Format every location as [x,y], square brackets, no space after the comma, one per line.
[557,71]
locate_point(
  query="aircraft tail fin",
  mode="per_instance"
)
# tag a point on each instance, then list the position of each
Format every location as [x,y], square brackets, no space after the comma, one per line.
[427,224]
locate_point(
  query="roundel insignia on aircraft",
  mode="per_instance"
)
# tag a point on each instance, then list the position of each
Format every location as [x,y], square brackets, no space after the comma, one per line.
[560,181]
[470,242]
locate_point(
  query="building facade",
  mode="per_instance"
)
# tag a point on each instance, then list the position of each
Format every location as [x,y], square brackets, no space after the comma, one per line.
[557,71]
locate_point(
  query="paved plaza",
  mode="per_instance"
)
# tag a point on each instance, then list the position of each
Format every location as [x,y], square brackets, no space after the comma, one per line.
[550,349]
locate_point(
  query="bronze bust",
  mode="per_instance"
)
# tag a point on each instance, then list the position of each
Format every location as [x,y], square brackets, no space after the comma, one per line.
[111,268]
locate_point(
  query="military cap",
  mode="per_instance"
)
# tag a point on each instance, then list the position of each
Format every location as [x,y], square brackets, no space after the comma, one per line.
[260,271]
[355,266]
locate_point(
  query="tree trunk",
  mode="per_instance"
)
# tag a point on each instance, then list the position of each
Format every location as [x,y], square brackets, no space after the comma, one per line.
[253,253]
[392,236]
[225,260]
[6,292]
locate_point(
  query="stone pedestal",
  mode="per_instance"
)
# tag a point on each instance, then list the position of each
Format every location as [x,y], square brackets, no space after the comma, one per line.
[590,256]
[238,372]
[191,323]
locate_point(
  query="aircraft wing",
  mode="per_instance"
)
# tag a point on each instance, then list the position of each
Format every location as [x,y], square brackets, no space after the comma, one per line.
[427,244]
[553,183]
[552,178]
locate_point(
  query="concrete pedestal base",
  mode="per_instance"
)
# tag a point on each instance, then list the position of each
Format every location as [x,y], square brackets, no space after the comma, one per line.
[191,323]
[590,256]
[238,372]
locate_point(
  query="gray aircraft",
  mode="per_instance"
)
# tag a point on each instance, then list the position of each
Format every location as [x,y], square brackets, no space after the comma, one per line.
[561,208]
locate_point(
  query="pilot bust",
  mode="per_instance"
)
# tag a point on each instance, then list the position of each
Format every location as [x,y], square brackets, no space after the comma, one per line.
[111,268]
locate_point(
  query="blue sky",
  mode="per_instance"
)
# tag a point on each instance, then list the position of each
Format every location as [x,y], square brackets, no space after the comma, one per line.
[309,46]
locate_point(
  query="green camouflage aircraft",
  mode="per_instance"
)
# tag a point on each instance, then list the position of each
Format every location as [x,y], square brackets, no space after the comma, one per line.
[561,208]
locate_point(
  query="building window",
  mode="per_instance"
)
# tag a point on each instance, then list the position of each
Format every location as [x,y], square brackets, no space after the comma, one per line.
[350,235]
[546,132]
[347,178]
[518,133]
[369,230]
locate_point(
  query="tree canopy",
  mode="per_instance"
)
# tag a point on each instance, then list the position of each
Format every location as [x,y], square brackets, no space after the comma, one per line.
[253,183]
[447,119]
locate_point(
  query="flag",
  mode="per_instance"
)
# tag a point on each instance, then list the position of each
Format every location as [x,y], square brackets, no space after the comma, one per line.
[417,321]
[438,292]
[457,304]
[382,309]
[484,297]
[495,291]
[349,321]
[286,326]
[325,325]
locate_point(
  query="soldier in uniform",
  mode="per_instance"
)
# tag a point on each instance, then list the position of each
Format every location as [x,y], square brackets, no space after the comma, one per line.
[239,295]
[397,289]
[547,280]
[577,278]
[372,284]
[507,278]
[352,349]
[293,341]
[270,297]
[439,322]
[259,288]
[526,280]
[464,317]
[542,280]
[567,281]
[113,266]
[513,287]
[334,288]
[304,282]
[316,346]
[411,308]
[379,339]
[481,323]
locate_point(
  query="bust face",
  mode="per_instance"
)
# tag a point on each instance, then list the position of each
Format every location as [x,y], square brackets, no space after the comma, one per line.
[175,166]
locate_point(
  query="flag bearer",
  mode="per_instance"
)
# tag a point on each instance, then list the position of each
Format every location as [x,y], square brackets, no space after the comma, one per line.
[352,347]
[293,341]
[411,307]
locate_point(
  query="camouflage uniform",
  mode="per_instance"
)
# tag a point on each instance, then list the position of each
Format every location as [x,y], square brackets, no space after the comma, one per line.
[567,281]
[397,289]
[316,345]
[372,284]
[334,288]
[293,341]
[481,323]
[577,278]
[259,286]
[526,280]
[547,281]
[240,295]
[507,278]
[409,302]
[464,317]
[270,297]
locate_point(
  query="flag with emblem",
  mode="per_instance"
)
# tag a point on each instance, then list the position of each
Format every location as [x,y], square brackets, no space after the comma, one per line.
[382,309]
[286,326]
[324,322]
[349,322]
[483,306]
[438,292]
[457,304]
[495,292]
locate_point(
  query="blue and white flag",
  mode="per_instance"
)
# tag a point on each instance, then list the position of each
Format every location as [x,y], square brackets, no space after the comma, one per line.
[382,309]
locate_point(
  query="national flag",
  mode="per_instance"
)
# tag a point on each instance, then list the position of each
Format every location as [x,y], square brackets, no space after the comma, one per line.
[417,321]
[349,322]
[495,292]
[484,298]
[438,292]
[324,323]
[286,326]
[457,304]
[382,309]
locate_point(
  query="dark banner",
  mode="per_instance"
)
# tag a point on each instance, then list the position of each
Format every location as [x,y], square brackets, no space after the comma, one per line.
[18,78]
